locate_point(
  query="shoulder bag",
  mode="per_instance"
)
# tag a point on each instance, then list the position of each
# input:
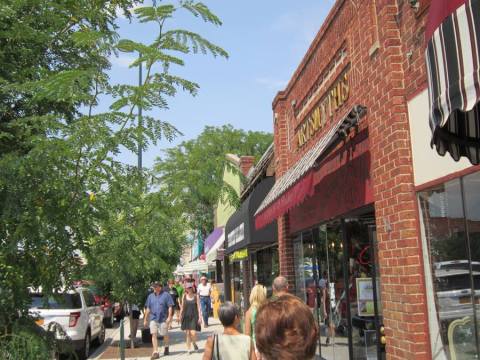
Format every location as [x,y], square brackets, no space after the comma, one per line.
[215,347]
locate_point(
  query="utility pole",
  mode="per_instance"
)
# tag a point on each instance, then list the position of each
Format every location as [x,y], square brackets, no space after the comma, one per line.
[140,122]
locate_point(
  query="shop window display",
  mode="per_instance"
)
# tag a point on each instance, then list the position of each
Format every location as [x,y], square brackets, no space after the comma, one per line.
[337,277]
[237,283]
[451,218]
[266,267]
[363,291]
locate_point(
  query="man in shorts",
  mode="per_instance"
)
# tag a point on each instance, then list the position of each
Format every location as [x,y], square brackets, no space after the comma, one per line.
[159,309]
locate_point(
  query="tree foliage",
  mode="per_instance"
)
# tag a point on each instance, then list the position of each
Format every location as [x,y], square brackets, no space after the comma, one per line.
[192,172]
[140,237]
[62,190]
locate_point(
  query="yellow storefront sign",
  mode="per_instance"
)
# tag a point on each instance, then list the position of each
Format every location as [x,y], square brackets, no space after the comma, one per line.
[239,255]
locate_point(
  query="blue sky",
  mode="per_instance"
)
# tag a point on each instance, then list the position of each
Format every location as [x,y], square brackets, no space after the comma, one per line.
[266,40]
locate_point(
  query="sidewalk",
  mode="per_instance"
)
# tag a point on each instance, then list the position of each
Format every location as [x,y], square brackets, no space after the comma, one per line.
[178,348]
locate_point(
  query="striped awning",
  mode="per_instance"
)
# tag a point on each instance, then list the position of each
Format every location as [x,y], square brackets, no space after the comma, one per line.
[453,64]
[297,183]
[196,266]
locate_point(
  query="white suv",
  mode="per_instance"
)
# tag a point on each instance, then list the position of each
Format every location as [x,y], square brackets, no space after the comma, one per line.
[454,288]
[73,316]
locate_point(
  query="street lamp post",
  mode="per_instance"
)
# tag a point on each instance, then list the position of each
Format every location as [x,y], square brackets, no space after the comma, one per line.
[140,122]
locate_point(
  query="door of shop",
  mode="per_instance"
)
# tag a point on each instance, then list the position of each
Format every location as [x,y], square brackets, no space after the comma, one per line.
[336,275]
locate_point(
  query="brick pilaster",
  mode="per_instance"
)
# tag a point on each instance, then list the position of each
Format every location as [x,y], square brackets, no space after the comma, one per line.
[400,253]
[285,251]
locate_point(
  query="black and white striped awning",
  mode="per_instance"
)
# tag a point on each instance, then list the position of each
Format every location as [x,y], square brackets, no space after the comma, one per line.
[453,64]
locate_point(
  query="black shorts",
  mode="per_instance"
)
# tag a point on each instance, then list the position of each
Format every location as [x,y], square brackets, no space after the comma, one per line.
[136,314]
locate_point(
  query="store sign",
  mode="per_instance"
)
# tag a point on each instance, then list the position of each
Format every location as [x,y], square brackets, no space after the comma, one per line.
[336,96]
[239,255]
[197,247]
[236,235]
[365,297]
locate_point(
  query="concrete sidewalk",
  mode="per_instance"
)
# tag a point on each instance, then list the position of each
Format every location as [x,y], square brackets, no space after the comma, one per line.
[178,347]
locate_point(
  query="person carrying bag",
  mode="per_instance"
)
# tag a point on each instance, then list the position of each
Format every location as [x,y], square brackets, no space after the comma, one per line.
[231,345]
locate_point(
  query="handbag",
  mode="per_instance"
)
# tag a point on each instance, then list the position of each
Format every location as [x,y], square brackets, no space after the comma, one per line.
[215,343]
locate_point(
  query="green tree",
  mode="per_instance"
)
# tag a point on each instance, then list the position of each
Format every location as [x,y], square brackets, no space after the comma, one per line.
[61,188]
[139,239]
[192,172]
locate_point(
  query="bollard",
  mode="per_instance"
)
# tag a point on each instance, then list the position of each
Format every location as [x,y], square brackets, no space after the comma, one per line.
[122,341]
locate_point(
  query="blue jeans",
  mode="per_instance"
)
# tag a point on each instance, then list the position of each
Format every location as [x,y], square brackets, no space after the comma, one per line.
[205,303]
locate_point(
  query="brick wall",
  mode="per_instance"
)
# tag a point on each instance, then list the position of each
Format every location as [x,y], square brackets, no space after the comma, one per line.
[384,58]
[285,251]
[246,163]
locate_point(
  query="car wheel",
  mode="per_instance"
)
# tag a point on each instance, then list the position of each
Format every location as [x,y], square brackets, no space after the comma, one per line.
[85,350]
[101,336]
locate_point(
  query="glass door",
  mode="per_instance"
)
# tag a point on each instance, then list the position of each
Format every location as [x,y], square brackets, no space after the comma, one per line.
[363,279]
[332,292]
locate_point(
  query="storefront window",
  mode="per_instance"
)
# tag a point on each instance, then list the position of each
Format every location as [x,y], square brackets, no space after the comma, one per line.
[237,283]
[267,267]
[345,306]
[451,216]
[362,280]
[333,304]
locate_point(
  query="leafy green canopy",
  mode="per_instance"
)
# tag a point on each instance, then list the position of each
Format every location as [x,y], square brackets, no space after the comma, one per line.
[62,191]
[192,172]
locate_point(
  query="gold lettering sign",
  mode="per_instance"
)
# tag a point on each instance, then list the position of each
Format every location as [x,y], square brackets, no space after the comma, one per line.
[334,99]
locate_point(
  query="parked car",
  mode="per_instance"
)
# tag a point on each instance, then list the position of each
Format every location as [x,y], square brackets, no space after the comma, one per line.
[454,288]
[74,317]
[105,304]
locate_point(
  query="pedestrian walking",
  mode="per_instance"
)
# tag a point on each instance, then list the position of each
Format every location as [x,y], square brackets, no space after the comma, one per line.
[231,345]
[286,330]
[172,290]
[215,299]
[180,291]
[279,287]
[190,316]
[159,310]
[205,291]
[326,308]
[258,297]
[134,310]
[191,280]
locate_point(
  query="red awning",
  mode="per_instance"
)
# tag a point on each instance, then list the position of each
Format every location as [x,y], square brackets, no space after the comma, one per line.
[453,69]
[439,11]
[292,197]
[297,183]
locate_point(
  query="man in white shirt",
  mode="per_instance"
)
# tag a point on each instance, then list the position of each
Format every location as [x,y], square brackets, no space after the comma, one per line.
[204,291]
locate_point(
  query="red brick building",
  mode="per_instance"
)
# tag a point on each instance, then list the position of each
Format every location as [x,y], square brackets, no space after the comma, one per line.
[361,196]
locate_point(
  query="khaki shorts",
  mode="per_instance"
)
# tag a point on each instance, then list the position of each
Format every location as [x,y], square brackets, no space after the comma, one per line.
[161,329]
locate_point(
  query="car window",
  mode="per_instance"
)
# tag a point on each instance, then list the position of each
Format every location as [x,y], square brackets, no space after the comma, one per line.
[457,282]
[89,299]
[59,301]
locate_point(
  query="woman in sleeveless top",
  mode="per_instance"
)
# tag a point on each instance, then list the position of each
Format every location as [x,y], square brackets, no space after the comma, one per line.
[231,345]
[190,316]
[258,297]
